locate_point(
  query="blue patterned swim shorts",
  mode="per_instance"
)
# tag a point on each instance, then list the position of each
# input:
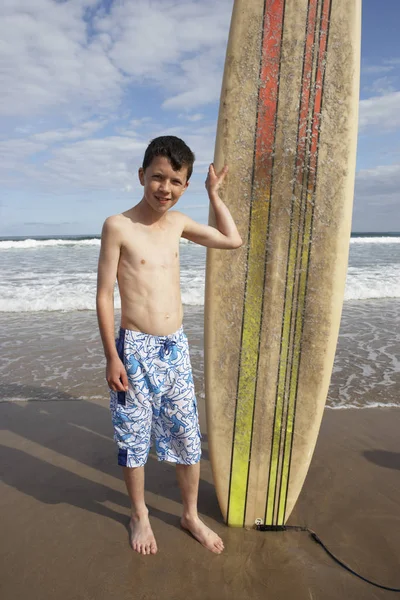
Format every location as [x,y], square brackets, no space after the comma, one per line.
[160,405]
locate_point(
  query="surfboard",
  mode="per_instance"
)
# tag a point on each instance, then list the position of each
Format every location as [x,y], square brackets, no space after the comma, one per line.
[287,128]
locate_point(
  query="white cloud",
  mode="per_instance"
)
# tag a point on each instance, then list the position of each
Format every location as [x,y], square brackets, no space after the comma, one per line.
[383,180]
[376,69]
[178,46]
[380,111]
[107,164]
[140,122]
[377,199]
[193,118]
[59,135]
[395,62]
[55,57]
[13,152]
[111,163]
[49,61]
[387,65]
[199,82]
[150,37]
[383,85]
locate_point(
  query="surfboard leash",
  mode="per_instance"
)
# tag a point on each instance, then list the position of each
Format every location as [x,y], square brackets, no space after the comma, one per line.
[318,541]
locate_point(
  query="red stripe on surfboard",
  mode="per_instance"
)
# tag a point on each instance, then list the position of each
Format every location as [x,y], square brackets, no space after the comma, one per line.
[305,91]
[268,93]
[318,94]
[271,45]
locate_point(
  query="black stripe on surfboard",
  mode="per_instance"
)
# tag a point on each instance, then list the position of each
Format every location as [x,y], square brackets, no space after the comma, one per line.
[304,167]
[284,303]
[246,278]
[267,239]
[312,218]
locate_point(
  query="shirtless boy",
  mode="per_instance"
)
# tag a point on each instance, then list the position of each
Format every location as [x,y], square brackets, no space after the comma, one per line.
[148,369]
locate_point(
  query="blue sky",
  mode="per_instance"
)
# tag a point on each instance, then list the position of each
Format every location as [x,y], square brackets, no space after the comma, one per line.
[87,83]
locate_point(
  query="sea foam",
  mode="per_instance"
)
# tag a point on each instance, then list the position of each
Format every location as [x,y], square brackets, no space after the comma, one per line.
[33,278]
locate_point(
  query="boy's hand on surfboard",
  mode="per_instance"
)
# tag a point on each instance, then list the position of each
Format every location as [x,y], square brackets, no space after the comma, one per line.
[214,180]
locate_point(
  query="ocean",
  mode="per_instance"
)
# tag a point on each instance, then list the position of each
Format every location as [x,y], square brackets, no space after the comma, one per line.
[51,347]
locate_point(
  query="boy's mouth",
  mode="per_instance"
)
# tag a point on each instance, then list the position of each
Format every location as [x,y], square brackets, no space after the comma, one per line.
[163,200]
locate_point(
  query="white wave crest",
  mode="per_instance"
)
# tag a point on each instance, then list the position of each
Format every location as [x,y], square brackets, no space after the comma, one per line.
[375,240]
[47,297]
[33,243]
[363,406]
[53,293]
[192,288]
[365,284]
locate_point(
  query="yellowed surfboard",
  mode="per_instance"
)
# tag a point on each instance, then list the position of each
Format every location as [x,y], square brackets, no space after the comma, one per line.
[287,129]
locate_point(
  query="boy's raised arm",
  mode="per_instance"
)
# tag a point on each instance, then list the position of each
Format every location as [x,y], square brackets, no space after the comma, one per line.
[225,235]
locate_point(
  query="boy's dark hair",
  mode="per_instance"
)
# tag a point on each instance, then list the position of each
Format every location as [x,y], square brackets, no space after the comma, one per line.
[173,148]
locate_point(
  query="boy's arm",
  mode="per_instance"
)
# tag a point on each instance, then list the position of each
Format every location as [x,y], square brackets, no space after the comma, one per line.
[106,276]
[225,235]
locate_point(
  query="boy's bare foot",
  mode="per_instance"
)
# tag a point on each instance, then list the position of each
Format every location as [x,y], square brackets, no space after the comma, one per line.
[141,535]
[203,534]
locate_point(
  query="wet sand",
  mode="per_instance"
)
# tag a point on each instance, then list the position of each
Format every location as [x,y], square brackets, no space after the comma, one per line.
[65,514]
[57,353]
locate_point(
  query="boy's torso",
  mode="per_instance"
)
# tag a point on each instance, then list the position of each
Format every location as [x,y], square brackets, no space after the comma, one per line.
[149,275]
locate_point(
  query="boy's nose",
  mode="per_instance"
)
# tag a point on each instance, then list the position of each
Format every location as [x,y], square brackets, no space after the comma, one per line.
[165,186]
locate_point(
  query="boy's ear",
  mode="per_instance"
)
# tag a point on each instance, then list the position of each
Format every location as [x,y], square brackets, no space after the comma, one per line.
[141,175]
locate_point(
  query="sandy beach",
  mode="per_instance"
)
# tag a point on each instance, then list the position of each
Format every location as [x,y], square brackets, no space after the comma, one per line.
[65,515]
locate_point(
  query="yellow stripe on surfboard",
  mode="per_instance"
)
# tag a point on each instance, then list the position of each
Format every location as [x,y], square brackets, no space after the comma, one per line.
[248,363]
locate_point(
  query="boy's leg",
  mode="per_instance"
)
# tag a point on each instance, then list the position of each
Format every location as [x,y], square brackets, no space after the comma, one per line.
[141,534]
[188,479]
[132,415]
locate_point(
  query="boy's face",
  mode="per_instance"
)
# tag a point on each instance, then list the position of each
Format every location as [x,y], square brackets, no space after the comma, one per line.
[163,186]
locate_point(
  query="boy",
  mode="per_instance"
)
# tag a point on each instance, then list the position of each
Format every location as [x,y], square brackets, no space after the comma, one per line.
[148,369]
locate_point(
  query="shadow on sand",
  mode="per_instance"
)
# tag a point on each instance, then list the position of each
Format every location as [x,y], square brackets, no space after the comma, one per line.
[80,430]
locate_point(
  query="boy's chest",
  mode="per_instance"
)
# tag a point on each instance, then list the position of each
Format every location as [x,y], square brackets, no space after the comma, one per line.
[151,252]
